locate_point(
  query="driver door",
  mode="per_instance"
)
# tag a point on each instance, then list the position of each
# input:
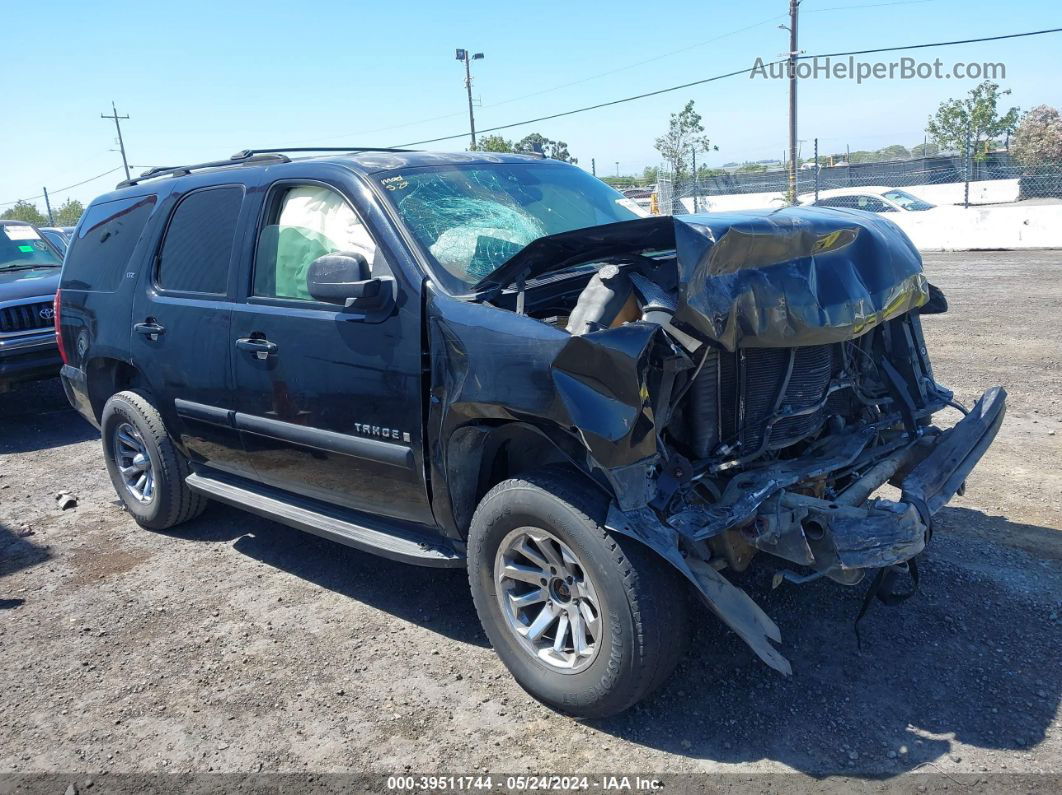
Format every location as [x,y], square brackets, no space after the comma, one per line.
[329,401]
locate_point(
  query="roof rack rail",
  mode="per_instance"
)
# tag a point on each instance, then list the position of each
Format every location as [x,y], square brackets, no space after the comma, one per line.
[238,159]
[249,152]
[245,156]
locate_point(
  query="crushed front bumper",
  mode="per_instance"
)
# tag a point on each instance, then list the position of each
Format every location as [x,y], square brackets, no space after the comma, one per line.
[838,538]
[848,534]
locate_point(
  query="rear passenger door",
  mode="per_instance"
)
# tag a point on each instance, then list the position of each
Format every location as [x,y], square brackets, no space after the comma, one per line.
[182,312]
[329,400]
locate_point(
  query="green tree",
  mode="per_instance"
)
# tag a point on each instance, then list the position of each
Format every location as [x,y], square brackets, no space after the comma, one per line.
[925,150]
[704,172]
[536,142]
[1038,139]
[750,168]
[650,174]
[683,138]
[862,156]
[69,213]
[975,119]
[493,143]
[25,211]
[894,152]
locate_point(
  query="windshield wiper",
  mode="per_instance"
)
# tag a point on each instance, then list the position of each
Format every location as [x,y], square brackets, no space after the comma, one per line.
[29,267]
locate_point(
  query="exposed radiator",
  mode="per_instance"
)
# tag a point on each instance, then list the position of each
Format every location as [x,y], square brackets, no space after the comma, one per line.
[749,383]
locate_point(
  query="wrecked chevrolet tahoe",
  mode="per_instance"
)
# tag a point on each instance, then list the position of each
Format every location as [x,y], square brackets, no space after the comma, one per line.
[496,362]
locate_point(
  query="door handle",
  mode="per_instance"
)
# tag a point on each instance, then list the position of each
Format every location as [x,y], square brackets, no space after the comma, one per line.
[149,329]
[257,345]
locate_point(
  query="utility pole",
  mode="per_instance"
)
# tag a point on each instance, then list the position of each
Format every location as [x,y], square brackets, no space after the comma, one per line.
[121,144]
[468,58]
[794,6]
[593,166]
[48,205]
[617,168]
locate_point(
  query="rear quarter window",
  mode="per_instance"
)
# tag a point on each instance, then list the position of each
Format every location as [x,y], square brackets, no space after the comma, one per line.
[105,240]
[198,244]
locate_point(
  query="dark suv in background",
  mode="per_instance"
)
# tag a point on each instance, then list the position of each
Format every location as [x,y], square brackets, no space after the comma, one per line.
[494,361]
[29,276]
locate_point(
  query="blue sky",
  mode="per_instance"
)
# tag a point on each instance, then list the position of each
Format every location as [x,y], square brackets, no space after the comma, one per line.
[201,80]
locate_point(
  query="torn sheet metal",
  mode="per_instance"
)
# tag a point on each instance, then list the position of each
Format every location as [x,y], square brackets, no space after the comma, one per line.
[746,492]
[733,606]
[940,474]
[589,394]
[793,277]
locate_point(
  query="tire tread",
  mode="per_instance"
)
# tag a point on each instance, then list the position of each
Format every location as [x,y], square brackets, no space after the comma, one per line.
[654,592]
[185,504]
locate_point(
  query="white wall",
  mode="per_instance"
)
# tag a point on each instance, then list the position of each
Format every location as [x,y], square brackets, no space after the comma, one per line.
[958,229]
[993,191]
[949,227]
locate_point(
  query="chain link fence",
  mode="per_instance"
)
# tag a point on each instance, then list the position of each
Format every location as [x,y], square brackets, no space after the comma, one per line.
[997,178]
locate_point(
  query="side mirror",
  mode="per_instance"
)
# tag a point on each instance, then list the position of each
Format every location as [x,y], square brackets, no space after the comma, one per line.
[343,278]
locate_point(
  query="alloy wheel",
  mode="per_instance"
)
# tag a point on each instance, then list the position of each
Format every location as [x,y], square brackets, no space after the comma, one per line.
[133,462]
[548,599]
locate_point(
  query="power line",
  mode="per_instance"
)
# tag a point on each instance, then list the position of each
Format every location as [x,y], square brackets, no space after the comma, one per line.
[618,69]
[574,82]
[933,44]
[60,190]
[652,93]
[639,63]
[869,5]
[590,107]
[735,73]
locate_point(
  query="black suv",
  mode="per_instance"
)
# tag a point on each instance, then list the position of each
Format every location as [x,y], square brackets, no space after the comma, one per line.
[29,276]
[495,361]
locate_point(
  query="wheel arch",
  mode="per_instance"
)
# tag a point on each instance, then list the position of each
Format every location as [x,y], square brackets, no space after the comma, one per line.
[106,376]
[480,456]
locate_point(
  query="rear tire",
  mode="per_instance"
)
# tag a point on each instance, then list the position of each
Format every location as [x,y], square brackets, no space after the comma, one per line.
[146,468]
[555,517]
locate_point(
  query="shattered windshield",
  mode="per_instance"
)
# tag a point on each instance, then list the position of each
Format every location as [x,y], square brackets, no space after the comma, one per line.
[470,219]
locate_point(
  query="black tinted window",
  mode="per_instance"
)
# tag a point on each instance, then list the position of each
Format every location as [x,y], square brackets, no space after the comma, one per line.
[105,240]
[198,245]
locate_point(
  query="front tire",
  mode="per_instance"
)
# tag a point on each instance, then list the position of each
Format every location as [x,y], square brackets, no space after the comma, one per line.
[146,468]
[587,622]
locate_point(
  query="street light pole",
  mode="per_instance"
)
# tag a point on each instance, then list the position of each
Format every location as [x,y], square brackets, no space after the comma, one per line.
[468,57]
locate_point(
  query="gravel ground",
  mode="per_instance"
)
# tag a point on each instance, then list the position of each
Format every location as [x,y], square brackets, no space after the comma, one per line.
[240,645]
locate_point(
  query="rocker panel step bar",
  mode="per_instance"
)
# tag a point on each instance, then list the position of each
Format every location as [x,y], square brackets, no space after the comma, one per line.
[387,539]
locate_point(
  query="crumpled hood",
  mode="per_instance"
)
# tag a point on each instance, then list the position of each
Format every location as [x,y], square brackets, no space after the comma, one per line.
[798,276]
[764,278]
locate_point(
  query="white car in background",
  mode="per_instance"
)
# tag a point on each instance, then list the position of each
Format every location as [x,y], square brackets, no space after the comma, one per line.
[875,199]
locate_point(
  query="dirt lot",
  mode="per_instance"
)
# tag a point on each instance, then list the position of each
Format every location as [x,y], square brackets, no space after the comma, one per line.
[237,644]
